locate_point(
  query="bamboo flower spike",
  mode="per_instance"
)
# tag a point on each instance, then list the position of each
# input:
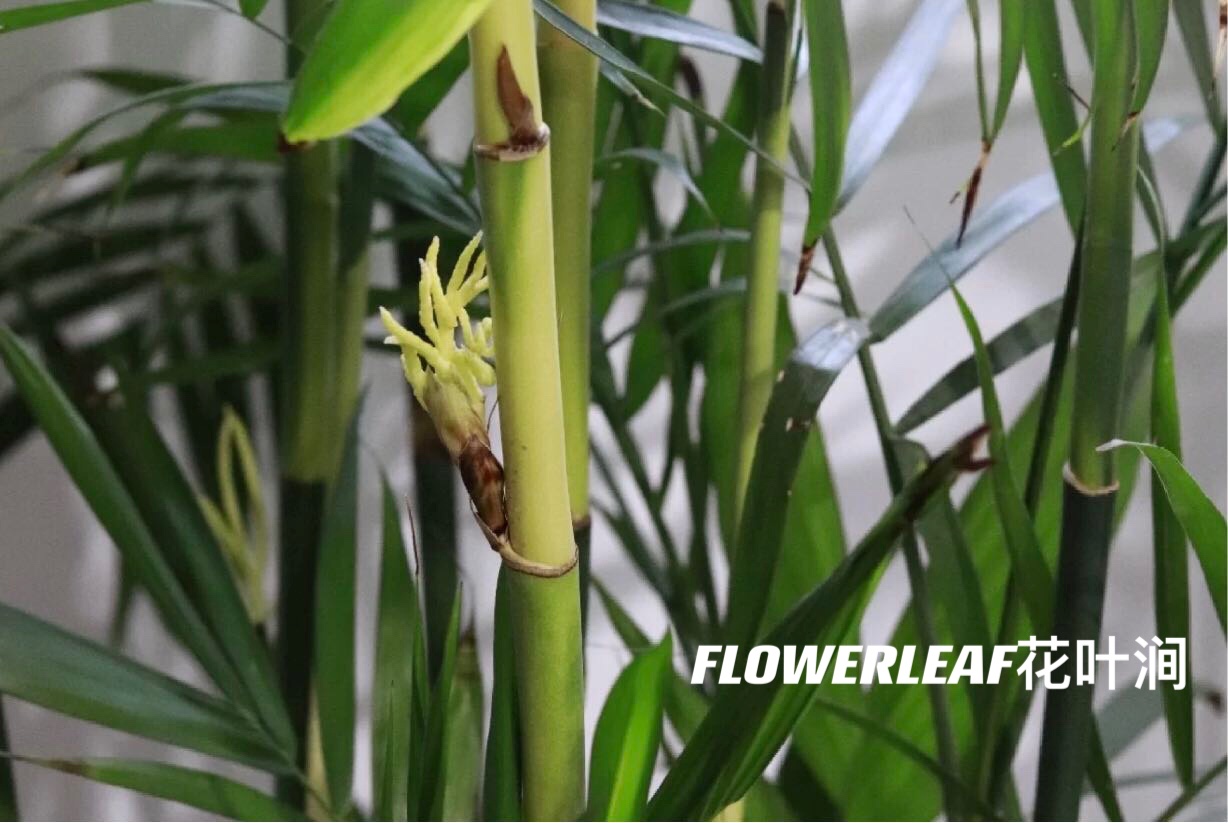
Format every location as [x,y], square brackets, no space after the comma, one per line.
[447,380]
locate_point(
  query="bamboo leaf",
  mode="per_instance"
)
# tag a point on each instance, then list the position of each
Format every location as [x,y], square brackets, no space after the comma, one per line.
[26,17]
[627,737]
[398,624]
[97,481]
[463,738]
[1010,58]
[986,231]
[501,789]
[366,54]
[809,373]
[252,8]
[1031,332]
[669,163]
[551,13]
[747,724]
[1042,47]
[169,506]
[433,766]
[830,101]
[422,98]
[49,667]
[894,90]
[192,787]
[1202,522]
[663,24]
[334,619]
[1151,23]
[1192,23]
[9,809]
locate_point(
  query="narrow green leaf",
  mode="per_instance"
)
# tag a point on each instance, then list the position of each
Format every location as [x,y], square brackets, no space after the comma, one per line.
[397,623]
[26,17]
[663,24]
[669,163]
[1190,794]
[1202,522]
[462,749]
[1192,23]
[1151,24]
[551,13]
[627,737]
[97,481]
[796,396]
[169,506]
[252,8]
[1042,48]
[366,54]
[501,787]
[334,619]
[748,723]
[894,90]
[831,95]
[1021,338]
[1010,58]
[989,229]
[192,787]
[433,765]
[49,667]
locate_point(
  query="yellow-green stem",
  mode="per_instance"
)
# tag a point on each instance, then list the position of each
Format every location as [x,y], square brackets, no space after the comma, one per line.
[569,94]
[516,207]
[763,282]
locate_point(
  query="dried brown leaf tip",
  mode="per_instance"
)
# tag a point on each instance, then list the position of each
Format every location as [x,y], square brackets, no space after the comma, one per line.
[285,146]
[970,191]
[527,137]
[803,266]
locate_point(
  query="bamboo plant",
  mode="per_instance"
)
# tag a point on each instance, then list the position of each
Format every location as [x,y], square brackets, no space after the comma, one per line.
[211,276]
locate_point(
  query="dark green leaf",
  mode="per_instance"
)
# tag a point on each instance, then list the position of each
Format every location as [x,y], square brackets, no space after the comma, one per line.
[334,619]
[100,485]
[59,671]
[747,724]
[790,414]
[202,790]
[27,17]
[1202,522]
[398,623]
[831,95]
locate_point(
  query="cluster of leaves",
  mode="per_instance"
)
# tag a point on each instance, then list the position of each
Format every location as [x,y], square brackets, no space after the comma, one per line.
[156,229]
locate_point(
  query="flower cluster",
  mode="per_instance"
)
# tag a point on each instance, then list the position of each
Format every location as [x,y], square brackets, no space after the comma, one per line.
[447,376]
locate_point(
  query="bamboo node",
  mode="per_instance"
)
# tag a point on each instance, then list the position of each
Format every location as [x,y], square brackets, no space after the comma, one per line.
[1086,489]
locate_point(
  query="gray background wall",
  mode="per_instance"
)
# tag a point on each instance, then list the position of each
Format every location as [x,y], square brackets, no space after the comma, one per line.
[56,563]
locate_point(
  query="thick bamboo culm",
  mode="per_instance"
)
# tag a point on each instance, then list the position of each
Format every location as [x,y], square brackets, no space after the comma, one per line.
[513,169]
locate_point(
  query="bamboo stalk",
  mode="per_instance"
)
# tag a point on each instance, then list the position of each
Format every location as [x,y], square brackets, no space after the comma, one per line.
[323,309]
[569,100]
[1091,481]
[759,319]
[514,184]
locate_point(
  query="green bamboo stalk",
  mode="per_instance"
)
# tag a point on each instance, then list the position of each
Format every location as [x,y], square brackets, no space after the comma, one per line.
[513,174]
[569,101]
[763,283]
[1091,486]
[324,306]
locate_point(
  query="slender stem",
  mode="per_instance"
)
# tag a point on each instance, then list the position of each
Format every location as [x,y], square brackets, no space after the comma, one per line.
[1100,358]
[516,207]
[569,100]
[763,283]
[948,754]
